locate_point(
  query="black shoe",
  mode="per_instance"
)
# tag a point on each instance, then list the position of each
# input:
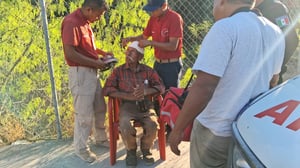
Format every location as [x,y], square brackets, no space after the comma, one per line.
[147,157]
[131,159]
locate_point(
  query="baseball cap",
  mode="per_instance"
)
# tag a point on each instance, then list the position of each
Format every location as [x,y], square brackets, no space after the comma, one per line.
[153,5]
[135,45]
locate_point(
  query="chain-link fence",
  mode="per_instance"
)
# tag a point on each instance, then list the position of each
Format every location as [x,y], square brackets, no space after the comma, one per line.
[197,16]
[293,6]
[25,86]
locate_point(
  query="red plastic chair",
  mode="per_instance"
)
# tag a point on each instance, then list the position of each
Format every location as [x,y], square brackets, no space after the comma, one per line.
[113,115]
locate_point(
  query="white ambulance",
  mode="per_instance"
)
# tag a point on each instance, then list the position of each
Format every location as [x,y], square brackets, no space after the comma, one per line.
[267,131]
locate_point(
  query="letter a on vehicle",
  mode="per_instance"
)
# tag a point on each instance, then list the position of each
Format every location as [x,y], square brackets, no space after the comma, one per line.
[281,112]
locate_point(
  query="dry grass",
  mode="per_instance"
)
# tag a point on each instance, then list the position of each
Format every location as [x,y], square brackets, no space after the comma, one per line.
[10,129]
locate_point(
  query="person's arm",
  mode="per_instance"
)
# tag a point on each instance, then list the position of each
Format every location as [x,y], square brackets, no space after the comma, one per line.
[199,95]
[126,40]
[171,45]
[156,85]
[123,95]
[77,57]
[291,43]
[151,91]
[101,52]
[145,35]
[112,87]
[104,54]
[274,80]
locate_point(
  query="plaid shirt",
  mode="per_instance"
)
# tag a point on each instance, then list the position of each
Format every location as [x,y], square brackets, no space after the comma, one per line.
[124,79]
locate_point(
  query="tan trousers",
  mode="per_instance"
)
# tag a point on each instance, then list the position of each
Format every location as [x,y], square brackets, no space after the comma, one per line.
[129,112]
[89,106]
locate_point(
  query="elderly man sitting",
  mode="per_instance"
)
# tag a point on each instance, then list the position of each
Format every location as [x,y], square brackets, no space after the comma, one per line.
[128,83]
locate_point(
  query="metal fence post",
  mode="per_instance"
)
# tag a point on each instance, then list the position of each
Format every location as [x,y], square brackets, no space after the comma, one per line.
[50,66]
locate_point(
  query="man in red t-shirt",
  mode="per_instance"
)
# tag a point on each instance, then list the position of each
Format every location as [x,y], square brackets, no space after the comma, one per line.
[165,26]
[82,57]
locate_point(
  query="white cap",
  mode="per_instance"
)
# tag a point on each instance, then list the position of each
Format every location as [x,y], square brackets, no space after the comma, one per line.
[135,45]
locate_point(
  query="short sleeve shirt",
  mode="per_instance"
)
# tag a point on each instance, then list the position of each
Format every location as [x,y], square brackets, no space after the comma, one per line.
[245,51]
[76,31]
[161,29]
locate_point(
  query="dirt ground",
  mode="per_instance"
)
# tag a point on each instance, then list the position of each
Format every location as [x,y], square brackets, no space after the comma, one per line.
[59,153]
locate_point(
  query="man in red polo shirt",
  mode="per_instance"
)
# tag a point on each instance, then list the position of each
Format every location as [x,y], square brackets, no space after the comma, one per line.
[82,57]
[165,26]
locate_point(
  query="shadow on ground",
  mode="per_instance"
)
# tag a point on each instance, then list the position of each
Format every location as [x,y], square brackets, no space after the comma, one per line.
[60,154]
